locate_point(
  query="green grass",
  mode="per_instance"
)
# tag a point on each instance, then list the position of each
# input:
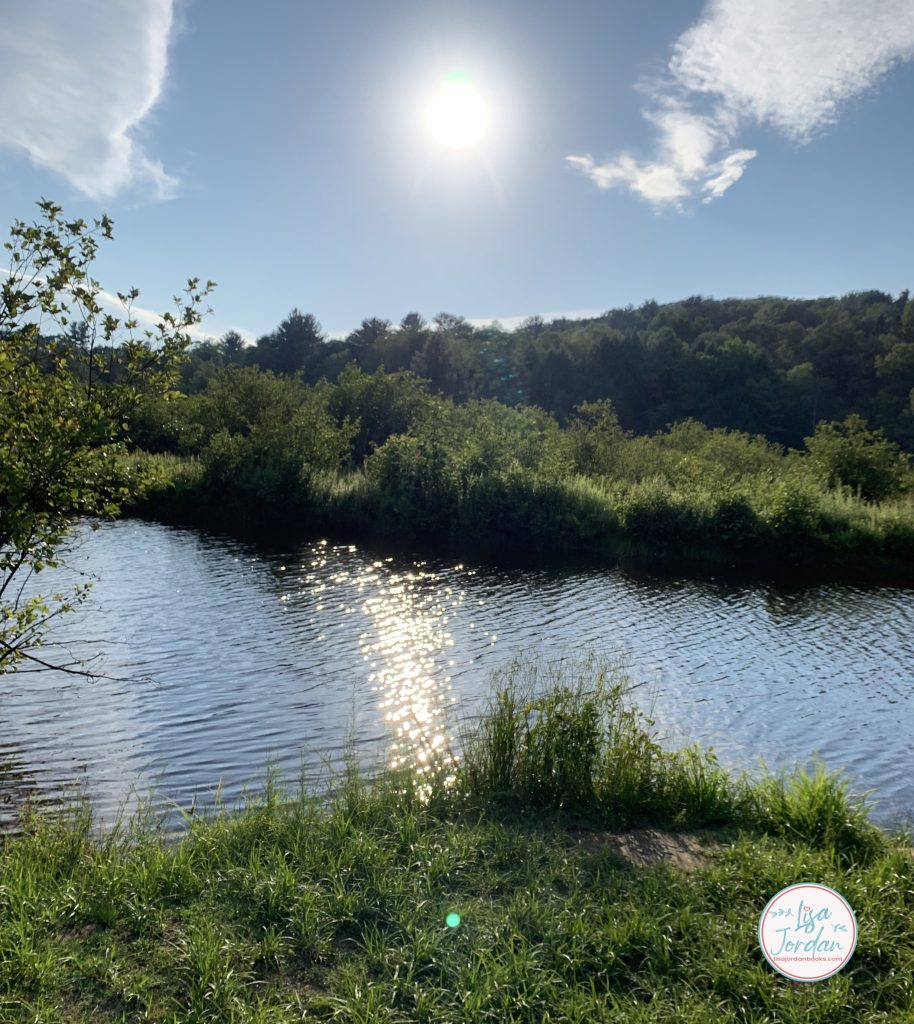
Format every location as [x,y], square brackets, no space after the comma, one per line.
[333,907]
[760,523]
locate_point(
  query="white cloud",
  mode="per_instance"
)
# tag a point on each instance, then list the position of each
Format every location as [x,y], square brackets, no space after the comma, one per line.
[725,172]
[790,64]
[656,182]
[77,79]
[688,140]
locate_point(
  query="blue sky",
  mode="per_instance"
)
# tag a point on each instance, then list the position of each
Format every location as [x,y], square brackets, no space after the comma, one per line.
[632,151]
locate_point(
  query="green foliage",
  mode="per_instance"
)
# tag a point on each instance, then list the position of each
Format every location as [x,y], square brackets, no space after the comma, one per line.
[735,521]
[239,400]
[378,453]
[793,513]
[381,404]
[564,736]
[277,448]
[595,438]
[815,806]
[768,366]
[167,423]
[375,453]
[462,466]
[849,454]
[292,348]
[63,410]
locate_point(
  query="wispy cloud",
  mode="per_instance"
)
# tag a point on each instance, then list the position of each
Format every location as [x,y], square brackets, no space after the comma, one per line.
[77,79]
[791,65]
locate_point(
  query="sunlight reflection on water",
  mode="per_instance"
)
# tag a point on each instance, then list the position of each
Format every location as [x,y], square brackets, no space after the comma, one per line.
[405,651]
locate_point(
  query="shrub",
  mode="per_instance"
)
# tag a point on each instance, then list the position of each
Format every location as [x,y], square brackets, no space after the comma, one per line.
[849,454]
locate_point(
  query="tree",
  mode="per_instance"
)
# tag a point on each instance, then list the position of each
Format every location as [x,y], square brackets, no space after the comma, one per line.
[594,437]
[378,404]
[397,347]
[63,426]
[907,320]
[293,346]
[413,322]
[435,362]
[368,335]
[849,454]
[232,346]
[450,323]
[533,326]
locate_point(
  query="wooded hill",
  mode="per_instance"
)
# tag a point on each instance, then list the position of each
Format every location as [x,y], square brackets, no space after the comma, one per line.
[772,366]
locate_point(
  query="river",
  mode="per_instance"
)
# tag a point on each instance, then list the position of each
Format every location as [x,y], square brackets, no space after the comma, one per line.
[216,657]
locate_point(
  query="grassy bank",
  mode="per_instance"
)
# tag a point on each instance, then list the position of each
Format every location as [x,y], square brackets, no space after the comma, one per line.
[759,524]
[336,908]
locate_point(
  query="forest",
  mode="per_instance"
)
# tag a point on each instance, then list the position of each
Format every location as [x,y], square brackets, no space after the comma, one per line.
[770,366]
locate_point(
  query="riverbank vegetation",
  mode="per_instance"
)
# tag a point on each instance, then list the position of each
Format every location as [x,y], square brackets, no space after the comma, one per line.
[498,887]
[378,454]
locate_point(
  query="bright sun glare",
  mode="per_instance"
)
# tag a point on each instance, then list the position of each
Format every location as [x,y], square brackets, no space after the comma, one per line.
[457,115]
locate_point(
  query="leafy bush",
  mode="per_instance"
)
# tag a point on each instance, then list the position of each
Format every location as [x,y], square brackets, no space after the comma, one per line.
[849,454]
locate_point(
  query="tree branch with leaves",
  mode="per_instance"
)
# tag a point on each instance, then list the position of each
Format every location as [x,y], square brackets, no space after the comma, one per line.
[64,407]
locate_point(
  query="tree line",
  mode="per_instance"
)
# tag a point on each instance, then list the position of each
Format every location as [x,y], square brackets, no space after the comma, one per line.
[770,366]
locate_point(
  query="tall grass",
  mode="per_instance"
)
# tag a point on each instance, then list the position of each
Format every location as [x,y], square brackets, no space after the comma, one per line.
[560,737]
[759,522]
[566,737]
[816,806]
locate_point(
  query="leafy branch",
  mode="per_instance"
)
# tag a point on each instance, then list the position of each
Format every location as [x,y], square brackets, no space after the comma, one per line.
[70,373]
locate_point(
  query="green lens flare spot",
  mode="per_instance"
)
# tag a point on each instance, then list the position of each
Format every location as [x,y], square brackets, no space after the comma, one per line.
[457,76]
[452,920]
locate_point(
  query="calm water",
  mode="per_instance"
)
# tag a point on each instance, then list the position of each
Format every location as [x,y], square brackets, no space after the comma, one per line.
[218,657]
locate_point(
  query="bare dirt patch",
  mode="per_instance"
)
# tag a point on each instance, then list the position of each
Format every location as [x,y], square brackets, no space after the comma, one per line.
[645,847]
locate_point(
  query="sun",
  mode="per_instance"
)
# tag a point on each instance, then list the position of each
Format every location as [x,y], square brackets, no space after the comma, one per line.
[457,114]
